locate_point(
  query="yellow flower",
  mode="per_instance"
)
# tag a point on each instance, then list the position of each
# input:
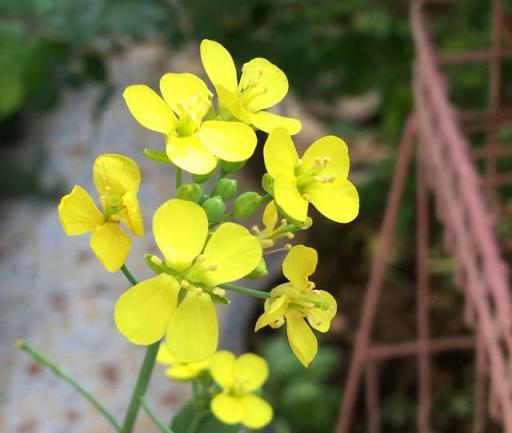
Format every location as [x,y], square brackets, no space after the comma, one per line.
[117,179]
[261,86]
[319,177]
[177,302]
[239,378]
[180,370]
[271,231]
[191,143]
[296,302]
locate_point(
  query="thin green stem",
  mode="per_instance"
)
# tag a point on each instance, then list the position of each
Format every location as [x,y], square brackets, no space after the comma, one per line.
[57,370]
[153,417]
[245,290]
[197,419]
[179,175]
[140,387]
[128,275]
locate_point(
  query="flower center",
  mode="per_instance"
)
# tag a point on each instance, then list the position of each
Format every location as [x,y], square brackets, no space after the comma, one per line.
[190,114]
[250,85]
[237,389]
[307,176]
[112,205]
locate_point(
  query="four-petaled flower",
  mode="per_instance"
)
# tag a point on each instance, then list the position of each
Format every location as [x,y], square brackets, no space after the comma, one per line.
[117,179]
[239,378]
[192,143]
[177,302]
[319,177]
[296,301]
[180,370]
[261,86]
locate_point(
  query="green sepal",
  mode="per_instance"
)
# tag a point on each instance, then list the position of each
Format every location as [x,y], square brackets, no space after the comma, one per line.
[267,183]
[155,268]
[219,299]
[225,188]
[157,156]
[202,178]
[231,167]
[190,191]
[259,271]
[215,209]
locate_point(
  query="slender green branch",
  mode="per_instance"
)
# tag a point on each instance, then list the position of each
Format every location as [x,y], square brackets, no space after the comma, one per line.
[56,369]
[153,417]
[140,387]
[197,419]
[179,175]
[128,275]
[245,290]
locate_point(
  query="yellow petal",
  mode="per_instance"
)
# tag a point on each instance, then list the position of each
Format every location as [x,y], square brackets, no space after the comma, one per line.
[320,318]
[193,333]
[274,310]
[300,336]
[77,212]
[133,217]
[299,264]
[335,149]
[185,89]
[186,371]
[227,409]
[111,245]
[289,199]
[190,154]
[143,312]
[222,368]
[164,356]
[180,228]
[218,64]
[230,141]
[256,412]
[270,217]
[280,154]
[272,80]
[337,201]
[230,101]
[149,109]
[267,122]
[251,371]
[234,251]
[115,174]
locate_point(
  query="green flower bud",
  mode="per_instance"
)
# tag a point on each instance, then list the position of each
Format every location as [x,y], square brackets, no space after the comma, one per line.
[259,271]
[267,183]
[157,156]
[225,188]
[190,191]
[154,263]
[214,208]
[202,178]
[231,167]
[246,205]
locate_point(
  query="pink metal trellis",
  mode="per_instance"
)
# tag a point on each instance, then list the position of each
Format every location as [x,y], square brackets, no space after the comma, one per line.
[462,202]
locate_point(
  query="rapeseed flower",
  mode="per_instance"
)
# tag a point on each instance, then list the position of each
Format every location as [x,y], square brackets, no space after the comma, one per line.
[319,177]
[180,370]
[297,303]
[178,301]
[262,85]
[192,143]
[117,179]
[239,378]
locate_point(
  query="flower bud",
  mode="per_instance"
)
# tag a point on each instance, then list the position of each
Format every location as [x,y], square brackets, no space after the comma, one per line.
[190,191]
[259,271]
[157,156]
[246,205]
[202,178]
[231,167]
[214,208]
[267,183]
[225,188]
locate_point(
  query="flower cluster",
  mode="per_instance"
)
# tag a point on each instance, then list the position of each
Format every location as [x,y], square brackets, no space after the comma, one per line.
[204,247]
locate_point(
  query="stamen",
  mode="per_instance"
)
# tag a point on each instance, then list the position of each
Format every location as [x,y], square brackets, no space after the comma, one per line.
[284,222]
[116,218]
[184,284]
[157,261]
[219,292]
[200,258]
[255,229]
[197,291]
[212,267]
[266,243]
[299,163]
[290,235]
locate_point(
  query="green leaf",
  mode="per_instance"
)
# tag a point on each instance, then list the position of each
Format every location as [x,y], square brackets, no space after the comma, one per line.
[183,418]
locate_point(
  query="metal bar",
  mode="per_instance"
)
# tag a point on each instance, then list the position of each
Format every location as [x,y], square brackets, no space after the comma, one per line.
[377,275]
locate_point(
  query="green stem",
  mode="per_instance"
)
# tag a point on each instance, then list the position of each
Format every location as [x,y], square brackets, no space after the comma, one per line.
[245,290]
[140,387]
[56,369]
[153,417]
[128,275]
[179,173]
[196,421]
